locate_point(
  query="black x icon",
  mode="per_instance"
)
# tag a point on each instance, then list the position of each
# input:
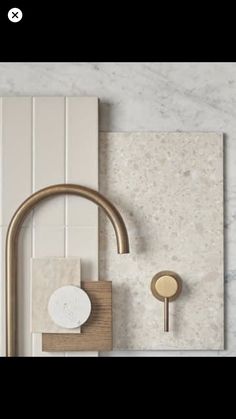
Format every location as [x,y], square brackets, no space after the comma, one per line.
[14,15]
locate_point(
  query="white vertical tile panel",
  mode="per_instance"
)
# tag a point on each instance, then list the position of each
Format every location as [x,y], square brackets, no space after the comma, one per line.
[82,157]
[83,241]
[48,168]
[23,293]
[1,160]
[82,168]
[48,242]
[24,342]
[48,156]
[48,140]
[16,186]
[2,276]
[16,153]
[2,294]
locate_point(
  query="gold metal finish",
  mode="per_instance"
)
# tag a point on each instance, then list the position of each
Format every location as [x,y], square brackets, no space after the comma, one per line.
[166,314]
[166,286]
[12,241]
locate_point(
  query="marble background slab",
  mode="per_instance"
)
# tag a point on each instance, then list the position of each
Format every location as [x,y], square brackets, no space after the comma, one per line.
[153,97]
[169,187]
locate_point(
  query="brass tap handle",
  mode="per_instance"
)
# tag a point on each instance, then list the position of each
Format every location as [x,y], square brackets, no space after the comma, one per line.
[166,314]
[166,286]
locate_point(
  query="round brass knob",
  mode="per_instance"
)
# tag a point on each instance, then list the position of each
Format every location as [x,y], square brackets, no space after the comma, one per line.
[166,286]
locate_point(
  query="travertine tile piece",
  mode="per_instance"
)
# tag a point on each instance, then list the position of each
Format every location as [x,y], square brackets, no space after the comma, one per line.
[169,188]
[48,274]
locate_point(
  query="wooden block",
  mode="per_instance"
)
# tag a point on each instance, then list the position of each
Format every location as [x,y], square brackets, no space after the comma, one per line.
[96,334]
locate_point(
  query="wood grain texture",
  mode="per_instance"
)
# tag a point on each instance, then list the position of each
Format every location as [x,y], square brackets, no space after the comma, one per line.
[96,334]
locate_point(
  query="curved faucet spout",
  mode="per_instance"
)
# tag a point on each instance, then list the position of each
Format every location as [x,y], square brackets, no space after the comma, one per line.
[12,240]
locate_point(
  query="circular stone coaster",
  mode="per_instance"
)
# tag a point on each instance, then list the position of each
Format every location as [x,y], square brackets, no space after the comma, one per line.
[69,307]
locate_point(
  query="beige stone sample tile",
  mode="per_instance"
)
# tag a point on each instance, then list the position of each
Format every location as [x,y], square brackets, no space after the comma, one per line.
[169,188]
[48,274]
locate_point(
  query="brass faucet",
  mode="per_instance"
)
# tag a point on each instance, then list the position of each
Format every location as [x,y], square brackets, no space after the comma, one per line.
[12,241]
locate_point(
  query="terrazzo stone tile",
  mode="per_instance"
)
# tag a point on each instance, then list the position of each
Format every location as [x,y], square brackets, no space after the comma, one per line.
[169,188]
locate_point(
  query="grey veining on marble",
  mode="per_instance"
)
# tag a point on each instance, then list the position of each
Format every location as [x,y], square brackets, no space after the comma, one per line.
[170,189]
[153,97]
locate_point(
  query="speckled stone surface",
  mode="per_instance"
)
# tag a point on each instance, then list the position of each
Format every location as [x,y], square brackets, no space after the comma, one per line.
[49,274]
[169,188]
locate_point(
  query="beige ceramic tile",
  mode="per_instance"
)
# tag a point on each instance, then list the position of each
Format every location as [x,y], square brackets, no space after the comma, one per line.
[82,157]
[23,292]
[48,241]
[48,140]
[2,292]
[16,154]
[84,242]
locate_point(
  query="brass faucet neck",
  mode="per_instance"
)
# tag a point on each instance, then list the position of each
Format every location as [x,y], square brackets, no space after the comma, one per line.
[12,242]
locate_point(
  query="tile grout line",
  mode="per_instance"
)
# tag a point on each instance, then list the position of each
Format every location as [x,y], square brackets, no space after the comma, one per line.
[33,172]
[1,154]
[98,211]
[65,175]
[2,250]
[65,354]
[32,191]
[33,169]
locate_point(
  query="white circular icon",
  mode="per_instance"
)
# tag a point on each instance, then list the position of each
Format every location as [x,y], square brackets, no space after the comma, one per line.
[69,306]
[15,15]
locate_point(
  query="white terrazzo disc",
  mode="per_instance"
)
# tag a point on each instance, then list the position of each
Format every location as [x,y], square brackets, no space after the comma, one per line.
[69,307]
